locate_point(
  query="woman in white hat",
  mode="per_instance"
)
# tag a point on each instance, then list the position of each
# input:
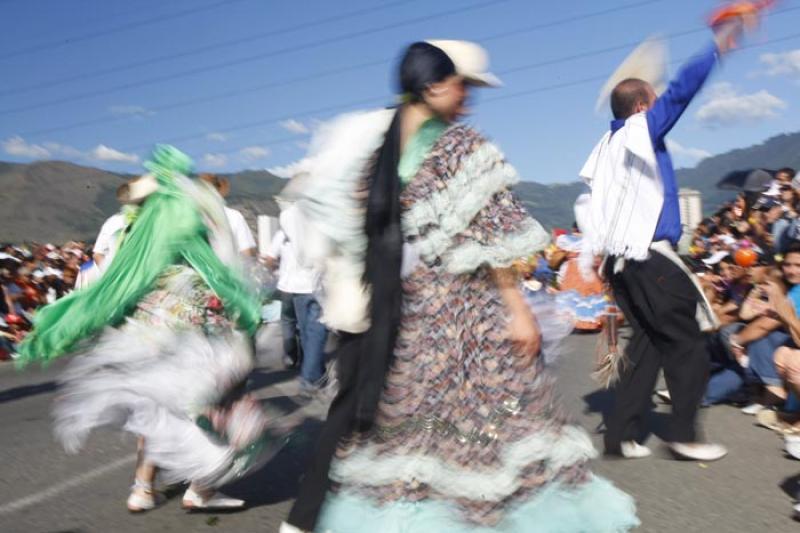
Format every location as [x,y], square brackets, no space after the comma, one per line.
[446,419]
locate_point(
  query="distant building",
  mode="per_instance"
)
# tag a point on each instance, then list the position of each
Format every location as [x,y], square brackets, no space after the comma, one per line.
[691,205]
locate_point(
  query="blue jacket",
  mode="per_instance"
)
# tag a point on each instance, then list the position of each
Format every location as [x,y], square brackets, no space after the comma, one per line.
[665,112]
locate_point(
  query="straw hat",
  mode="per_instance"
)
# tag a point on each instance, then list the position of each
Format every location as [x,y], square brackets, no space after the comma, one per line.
[648,62]
[471,61]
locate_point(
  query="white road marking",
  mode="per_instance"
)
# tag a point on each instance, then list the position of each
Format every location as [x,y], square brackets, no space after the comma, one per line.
[38,497]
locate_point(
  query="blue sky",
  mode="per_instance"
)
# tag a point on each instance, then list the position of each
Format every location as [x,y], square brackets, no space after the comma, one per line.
[241,83]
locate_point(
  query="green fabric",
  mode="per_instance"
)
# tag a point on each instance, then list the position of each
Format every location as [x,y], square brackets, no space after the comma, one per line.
[168,230]
[418,147]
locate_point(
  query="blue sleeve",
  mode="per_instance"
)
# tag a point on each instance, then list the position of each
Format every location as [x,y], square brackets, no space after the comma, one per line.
[682,89]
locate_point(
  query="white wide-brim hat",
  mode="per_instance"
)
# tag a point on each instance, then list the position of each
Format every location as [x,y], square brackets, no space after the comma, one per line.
[140,188]
[648,62]
[471,61]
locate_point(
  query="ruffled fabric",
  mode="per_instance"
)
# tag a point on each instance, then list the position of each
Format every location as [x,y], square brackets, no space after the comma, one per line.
[166,375]
[594,507]
[555,449]
[170,229]
[461,210]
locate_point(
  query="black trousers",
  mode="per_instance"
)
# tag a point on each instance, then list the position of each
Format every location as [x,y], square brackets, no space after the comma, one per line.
[340,422]
[660,303]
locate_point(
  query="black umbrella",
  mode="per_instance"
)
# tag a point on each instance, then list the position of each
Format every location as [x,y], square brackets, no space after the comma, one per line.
[751,180]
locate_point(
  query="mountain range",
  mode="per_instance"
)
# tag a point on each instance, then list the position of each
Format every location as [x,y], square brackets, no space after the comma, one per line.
[57,201]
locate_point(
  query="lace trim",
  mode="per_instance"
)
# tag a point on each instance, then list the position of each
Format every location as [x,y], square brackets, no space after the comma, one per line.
[555,450]
[450,211]
[470,255]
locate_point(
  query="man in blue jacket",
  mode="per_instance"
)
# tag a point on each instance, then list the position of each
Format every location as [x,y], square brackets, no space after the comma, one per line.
[635,223]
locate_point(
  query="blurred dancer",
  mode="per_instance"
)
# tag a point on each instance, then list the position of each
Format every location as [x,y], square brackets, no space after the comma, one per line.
[242,236]
[300,311]
[169,324]
[450,418]
[632,218]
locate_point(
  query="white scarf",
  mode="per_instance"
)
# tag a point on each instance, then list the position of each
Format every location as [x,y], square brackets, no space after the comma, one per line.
[620,215]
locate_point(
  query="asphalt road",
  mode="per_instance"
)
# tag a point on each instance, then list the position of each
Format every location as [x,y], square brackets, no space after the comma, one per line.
[45,490]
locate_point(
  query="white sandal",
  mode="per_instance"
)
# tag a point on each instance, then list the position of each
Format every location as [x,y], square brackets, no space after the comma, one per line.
[149,500]
[194,500]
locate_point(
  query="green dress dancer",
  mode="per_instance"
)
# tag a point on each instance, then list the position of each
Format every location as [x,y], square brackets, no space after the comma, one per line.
[163,340]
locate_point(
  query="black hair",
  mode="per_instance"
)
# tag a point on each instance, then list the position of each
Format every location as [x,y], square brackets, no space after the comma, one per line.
[627,95]
[787,170]
[421,65]
[793,248]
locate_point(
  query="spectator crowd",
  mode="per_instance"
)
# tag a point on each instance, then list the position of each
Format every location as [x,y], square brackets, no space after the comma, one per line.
[747,256]
[31,276]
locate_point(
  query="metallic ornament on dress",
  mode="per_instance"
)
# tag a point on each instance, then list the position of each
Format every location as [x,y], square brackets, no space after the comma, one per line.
[485,436]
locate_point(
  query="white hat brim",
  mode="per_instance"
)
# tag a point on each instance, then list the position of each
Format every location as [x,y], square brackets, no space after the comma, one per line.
[647,62]
[141,188]
[486,79]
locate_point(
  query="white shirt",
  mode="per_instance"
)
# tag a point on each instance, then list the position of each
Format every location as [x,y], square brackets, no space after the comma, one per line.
[108,238]
[292,277]
[242,236]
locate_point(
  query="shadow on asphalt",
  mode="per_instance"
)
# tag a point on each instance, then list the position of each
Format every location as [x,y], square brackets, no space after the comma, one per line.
[277,481]
[18,393]
[265,377]
[791,486]
[602,401]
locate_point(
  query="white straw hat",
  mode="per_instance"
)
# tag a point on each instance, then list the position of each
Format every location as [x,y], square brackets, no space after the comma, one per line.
[471,61]
[648,62]
[140,188]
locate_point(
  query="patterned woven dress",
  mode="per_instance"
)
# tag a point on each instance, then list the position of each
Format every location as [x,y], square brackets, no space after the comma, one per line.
[465,440]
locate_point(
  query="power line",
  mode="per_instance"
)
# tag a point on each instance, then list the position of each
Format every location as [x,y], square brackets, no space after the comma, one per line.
[378,100]
[311,77]
[360,66]
[252,58]
[116,29]
[195,51]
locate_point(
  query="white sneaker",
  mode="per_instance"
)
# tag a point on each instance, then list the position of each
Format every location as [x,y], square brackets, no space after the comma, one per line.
[797,511]
[633,450]
[193,500]
[288,528]
[791,443]
[698,451]
[664,396]
[753,409]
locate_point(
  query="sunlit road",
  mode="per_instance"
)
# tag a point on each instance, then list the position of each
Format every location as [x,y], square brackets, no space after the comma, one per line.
[44,490]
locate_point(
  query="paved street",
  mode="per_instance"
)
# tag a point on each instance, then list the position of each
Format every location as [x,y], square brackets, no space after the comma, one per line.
[44,490]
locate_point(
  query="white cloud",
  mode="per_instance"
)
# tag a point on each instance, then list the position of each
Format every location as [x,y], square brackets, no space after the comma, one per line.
[782,64]
[294,126]
[136,111]
[727,107]
[17,146]
[102,152]
[254,153]
[217,137]
[215,160]
[685,154]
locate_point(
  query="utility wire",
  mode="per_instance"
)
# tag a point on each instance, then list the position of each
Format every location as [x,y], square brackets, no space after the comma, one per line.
[383,100]
[116,29]
[251,58]
[274,84]
[203,49]
[332,72]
